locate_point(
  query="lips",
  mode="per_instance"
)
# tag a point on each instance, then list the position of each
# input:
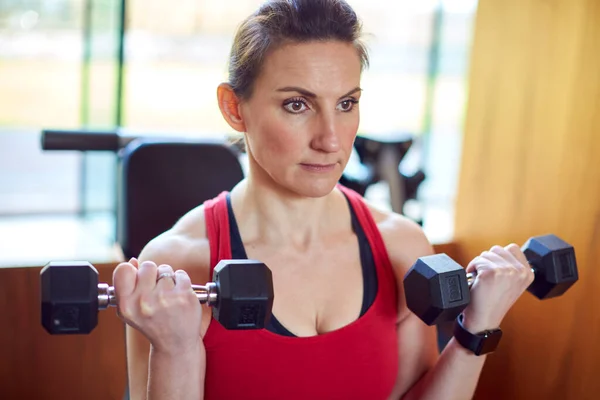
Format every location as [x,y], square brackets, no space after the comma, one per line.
[318,167]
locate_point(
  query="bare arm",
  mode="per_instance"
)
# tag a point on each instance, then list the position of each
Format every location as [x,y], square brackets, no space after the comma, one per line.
[423,373]
[502,275]
[454,375]
[177,376]
[154,374]
[138,354]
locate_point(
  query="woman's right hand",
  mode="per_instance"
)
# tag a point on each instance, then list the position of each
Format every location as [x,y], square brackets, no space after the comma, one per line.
[165,310]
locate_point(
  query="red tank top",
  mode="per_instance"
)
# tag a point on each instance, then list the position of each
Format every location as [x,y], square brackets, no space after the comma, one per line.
[357,361]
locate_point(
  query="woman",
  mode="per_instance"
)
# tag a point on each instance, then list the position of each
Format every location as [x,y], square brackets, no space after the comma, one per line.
[340,326]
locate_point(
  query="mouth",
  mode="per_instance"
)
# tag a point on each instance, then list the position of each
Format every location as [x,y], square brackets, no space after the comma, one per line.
[318,167]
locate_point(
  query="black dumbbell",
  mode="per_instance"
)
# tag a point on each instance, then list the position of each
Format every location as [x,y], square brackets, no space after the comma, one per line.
[241,296]
[437,289]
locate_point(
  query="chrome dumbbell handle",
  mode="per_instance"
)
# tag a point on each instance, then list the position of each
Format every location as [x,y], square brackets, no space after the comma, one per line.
[205,294]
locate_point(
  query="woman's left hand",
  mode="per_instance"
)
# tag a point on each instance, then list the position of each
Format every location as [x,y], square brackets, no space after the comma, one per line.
[503,274]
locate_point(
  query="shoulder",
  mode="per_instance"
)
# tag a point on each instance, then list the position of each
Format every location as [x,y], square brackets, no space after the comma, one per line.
[404,239]
[405,242]
[184,246]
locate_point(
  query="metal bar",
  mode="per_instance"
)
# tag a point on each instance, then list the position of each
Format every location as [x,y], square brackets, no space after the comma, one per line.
[120,64]
[205,294]
[432,74]
[84,110]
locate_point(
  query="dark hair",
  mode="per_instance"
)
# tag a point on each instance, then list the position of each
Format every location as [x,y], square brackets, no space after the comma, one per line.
[279,21]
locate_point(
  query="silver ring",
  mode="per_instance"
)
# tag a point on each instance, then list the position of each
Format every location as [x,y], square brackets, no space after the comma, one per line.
[166,275]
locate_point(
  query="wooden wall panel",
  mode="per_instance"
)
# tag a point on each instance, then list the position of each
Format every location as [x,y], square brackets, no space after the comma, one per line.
[530,166]
[36,365]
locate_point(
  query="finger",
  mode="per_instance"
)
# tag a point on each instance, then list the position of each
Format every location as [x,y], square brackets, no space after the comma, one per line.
[146,276]
[502,252]
[124,279]
[168,282]
[516,251]
[476,264]
[526,270]
[183,281]
[495,258]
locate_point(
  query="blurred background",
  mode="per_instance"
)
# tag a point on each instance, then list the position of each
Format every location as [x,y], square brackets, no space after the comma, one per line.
[501,100]
[152,66]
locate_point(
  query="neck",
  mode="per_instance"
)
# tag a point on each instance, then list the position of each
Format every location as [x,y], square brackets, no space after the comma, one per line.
[268,213]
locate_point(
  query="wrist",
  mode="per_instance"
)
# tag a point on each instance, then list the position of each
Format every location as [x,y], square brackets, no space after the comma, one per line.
[475,325]
[178,352]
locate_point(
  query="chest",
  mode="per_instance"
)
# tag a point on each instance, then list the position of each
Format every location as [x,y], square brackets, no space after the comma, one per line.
[317,290]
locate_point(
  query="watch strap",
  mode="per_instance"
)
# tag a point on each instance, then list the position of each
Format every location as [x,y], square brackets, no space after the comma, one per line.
[479,343]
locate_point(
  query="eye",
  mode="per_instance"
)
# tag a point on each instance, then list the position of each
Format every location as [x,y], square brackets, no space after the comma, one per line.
[295,106]
[347,105]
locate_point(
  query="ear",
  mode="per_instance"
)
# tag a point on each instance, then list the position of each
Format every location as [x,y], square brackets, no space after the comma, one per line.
[229,104]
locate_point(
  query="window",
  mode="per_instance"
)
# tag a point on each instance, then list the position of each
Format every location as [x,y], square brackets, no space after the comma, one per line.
[60,68]
[177,55]
[40,73]
[57,70]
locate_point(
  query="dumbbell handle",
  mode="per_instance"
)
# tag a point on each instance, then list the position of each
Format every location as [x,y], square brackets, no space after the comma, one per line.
[472,275]
[205,294]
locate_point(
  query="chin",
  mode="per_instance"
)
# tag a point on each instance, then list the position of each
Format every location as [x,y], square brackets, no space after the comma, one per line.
[314,188]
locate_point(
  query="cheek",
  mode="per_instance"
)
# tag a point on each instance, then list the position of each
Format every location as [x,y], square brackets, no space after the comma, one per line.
[271,138]
[352,129]
[348,133]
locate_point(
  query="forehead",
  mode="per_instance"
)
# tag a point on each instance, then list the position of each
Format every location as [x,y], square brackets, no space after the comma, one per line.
[320,67]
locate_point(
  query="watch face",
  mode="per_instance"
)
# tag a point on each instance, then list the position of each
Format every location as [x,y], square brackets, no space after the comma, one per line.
[490,341]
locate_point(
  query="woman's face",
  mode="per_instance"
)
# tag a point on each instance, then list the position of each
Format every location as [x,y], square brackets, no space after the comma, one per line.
[302,117]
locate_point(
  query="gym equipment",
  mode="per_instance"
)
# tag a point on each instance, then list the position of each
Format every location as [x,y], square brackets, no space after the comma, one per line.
[84,140]
[168,170]
[380,157]
[437,288]
[150,163]
[241,295]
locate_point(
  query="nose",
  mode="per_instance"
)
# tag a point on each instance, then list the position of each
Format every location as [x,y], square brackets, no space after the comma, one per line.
[326,138]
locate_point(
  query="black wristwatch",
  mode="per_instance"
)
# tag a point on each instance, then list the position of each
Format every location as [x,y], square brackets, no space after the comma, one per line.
[479,343]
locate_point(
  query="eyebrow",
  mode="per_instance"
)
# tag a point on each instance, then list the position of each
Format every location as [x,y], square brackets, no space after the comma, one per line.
[307,93]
